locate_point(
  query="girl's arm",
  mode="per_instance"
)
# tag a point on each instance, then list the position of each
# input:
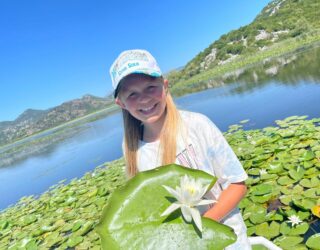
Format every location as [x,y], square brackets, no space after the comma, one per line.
[228,200]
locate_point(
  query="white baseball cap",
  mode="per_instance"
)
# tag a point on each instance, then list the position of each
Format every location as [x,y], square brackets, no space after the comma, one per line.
[135,61]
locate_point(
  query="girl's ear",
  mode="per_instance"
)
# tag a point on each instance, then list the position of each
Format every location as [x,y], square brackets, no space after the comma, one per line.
[166,84]
[120,103]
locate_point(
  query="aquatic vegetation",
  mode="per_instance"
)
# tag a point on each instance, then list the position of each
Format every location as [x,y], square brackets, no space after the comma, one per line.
[64,216]
[133,218]
[283,164]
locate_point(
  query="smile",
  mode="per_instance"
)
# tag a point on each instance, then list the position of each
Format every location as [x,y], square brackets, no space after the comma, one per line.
[148,110]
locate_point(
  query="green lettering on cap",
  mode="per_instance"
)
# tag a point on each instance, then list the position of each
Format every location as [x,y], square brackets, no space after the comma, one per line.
[130,65]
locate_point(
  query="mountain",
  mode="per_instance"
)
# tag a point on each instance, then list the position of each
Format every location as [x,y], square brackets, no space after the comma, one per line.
[32,121]
[280,20]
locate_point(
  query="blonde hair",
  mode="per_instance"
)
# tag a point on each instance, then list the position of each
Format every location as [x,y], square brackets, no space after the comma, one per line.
[133,131]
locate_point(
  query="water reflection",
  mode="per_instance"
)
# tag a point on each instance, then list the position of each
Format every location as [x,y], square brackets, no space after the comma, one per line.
[291,69]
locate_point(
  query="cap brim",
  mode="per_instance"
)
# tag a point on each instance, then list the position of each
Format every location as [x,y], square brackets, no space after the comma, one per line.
[116,91]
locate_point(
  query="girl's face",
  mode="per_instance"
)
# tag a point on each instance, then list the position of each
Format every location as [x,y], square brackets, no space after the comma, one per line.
[143,97]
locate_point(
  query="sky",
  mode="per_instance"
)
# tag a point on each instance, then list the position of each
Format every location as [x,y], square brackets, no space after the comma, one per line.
[57,50]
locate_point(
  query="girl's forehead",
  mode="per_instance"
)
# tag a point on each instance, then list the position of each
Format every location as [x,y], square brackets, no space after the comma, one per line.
[137,80]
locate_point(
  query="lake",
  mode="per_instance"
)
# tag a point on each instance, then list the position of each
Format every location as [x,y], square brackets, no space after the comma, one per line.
[291,87]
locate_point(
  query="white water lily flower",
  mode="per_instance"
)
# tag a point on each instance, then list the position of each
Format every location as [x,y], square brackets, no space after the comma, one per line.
[294,220]
[189,195]
[263,171]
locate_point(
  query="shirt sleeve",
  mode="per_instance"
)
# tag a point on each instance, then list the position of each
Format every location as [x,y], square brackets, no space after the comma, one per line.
[225,164]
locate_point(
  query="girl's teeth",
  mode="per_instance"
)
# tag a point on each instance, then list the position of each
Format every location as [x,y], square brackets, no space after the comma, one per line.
[147,109]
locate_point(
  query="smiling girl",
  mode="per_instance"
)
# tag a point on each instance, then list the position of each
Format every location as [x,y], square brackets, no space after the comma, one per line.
[156,134]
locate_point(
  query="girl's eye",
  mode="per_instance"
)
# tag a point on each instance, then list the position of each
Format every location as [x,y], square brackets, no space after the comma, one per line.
[132,95]
[150,88]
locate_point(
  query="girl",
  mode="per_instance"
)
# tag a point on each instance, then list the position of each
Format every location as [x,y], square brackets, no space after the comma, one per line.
[156,134]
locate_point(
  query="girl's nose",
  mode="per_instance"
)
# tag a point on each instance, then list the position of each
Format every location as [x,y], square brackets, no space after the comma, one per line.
[143,98]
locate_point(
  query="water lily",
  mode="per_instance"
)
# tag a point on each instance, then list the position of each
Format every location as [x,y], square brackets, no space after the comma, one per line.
[294,220]
[263,171]
[189,195]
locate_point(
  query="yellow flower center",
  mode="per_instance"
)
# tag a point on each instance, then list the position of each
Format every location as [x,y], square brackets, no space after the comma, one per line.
[191,189]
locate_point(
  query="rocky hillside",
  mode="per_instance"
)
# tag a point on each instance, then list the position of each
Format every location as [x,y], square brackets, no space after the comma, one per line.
[32,121]
[278,21]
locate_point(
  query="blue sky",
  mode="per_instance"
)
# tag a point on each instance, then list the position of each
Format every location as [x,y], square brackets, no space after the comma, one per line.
[59,50]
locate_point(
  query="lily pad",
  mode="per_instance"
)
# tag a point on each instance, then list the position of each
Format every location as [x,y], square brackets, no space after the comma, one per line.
[288,242]
[261,189]
[76,226]
[4,224]
[132,217]
[85,228]
[308,155]
[27,220]
[261,198]
[268,231]
[52,239]
[314,241]
[274,216]
[304,204]
[256,214]
[308,164]
[310,183]
[285,180]
[297,173]
[74,240]
[286,133]
[311,193]
[287,229]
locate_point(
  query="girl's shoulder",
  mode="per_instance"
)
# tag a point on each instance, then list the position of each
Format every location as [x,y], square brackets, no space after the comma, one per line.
[194,118]
[199,123]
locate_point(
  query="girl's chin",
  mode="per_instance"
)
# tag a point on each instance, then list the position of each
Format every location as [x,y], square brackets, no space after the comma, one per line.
[151,120]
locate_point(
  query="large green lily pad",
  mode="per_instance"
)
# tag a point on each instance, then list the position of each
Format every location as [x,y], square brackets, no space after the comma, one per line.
[132,220]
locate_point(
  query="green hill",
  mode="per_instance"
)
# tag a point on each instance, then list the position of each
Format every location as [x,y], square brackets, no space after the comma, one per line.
[279,22]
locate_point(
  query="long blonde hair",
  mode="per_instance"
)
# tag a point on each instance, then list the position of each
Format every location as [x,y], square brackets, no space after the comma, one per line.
[133,131]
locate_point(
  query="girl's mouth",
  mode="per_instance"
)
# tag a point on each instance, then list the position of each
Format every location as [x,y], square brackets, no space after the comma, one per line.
[148,110]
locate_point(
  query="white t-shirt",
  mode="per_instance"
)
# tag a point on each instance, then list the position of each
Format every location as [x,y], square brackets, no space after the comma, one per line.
[201,145]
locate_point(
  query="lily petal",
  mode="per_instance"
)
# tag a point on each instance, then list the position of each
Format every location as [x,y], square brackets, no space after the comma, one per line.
[170,209]
[173,192]
[205,202]
[204,190]
[196,218]
[186,212]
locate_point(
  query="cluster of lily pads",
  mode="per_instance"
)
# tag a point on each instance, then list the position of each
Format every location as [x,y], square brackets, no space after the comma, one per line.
[282,204]
[283,164]
[63,217]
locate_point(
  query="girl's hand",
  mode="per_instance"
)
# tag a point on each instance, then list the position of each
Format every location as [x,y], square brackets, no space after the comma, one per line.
[227,201]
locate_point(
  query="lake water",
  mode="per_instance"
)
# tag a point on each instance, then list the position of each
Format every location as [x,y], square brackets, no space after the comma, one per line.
[262,102]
